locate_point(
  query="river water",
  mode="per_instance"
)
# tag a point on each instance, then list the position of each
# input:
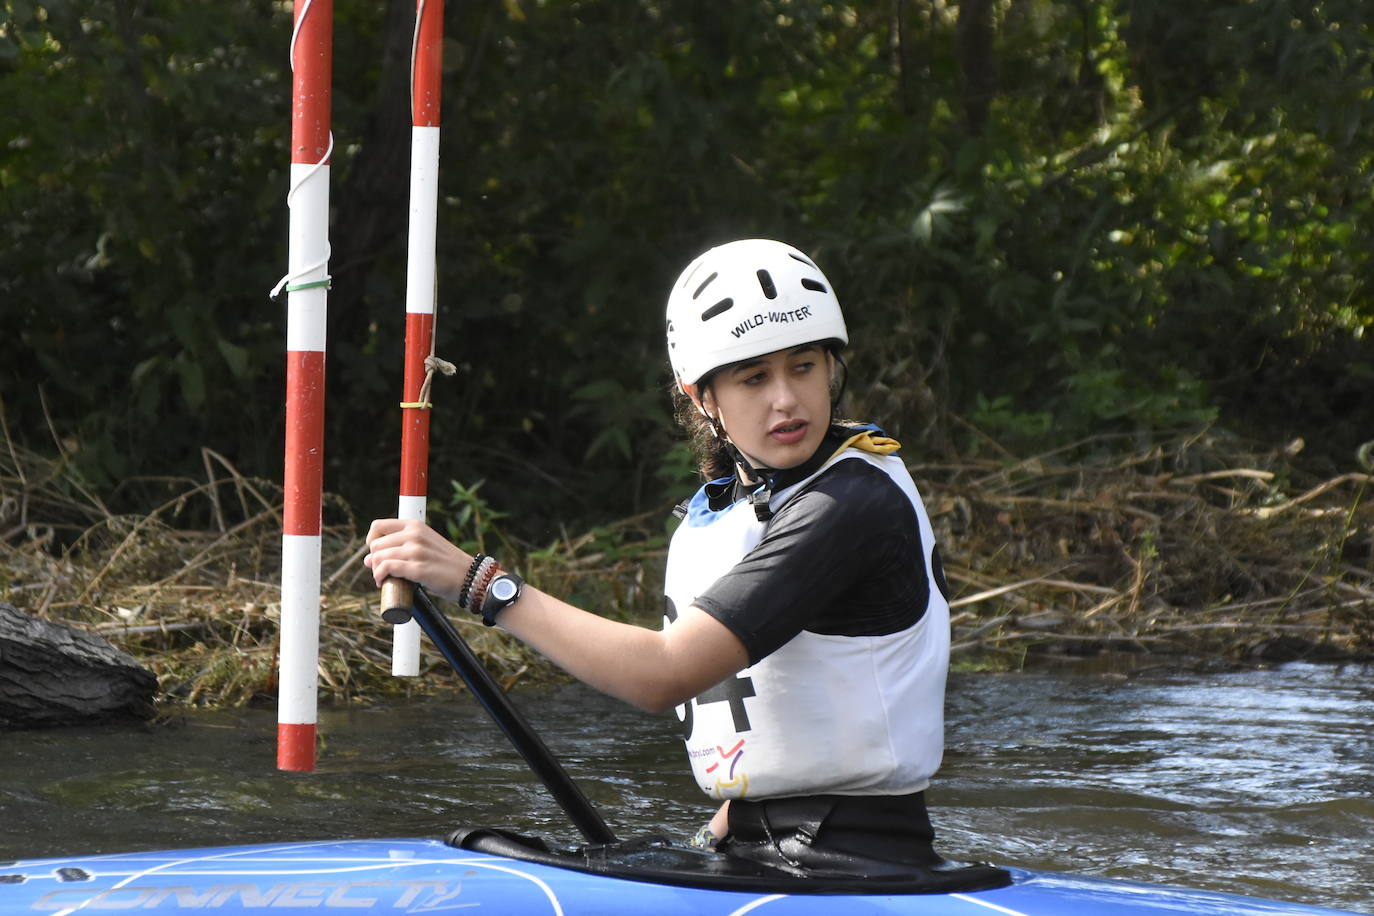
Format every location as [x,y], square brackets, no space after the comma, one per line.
[1256,781]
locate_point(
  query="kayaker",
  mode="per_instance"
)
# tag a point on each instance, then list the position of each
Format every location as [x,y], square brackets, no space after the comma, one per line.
[806,634]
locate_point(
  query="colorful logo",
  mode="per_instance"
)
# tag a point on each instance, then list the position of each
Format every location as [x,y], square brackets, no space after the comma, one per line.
[731,781]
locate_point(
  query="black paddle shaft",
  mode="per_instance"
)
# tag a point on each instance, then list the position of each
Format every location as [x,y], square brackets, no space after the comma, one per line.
[455,649]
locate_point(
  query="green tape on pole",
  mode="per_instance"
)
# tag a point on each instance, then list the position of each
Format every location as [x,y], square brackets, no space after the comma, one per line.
[313,284]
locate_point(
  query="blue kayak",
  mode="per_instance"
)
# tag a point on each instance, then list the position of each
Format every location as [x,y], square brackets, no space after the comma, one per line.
[430,876]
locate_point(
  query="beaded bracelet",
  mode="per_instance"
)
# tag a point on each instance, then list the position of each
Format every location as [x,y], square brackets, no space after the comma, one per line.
[467,581]
[483,582]
[479,581]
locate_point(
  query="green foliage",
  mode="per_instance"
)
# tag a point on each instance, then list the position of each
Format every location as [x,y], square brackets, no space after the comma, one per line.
[1046,219]
[677,468]
[138,182]
[467,518]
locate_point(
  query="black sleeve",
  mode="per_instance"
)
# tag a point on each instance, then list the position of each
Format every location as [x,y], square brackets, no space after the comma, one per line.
[843,557]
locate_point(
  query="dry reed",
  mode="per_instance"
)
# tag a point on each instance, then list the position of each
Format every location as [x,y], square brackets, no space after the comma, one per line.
[1199,546]
[1196,546]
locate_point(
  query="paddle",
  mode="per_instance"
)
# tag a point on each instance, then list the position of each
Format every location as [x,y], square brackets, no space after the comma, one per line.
[550,772]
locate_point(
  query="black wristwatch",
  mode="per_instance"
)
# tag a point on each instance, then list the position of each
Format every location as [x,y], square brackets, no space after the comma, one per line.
[501,593]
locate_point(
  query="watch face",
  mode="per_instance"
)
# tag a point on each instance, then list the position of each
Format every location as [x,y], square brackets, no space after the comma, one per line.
[503,589]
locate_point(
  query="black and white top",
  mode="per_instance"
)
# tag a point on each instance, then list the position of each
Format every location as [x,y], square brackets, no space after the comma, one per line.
[839,600]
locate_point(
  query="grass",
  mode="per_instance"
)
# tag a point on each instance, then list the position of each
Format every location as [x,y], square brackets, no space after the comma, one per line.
[1201,546]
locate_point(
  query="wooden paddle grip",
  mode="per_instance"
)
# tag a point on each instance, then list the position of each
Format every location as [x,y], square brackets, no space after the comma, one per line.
[398,597]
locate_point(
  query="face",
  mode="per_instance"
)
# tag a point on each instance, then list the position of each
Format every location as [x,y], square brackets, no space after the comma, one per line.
[776,408]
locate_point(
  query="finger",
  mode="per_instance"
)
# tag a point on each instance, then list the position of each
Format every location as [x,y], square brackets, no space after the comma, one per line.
[384,568]
[382,527]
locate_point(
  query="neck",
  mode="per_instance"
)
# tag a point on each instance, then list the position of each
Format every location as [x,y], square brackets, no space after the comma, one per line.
[746,474]
[747,470]
[750,475]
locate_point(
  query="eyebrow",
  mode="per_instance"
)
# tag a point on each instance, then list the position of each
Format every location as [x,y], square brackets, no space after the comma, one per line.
[758,360]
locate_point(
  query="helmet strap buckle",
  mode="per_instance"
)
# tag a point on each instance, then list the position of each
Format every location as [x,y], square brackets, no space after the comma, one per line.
[759,499]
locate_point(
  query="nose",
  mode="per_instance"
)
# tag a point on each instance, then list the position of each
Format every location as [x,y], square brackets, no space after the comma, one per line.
[784,394]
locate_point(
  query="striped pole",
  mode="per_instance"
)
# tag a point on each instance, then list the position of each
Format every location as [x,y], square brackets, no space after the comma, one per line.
[425,83]
[307,284]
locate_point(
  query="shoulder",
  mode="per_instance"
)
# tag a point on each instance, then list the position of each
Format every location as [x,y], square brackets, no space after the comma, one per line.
[852,493]
[855,476]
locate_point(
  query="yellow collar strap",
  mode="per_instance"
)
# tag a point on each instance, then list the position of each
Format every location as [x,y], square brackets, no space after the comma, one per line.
[867,442]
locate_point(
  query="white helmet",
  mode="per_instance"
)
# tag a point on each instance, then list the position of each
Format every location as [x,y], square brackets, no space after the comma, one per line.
[744,299]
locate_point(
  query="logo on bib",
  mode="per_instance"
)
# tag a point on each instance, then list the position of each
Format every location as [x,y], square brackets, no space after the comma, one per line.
[731,781]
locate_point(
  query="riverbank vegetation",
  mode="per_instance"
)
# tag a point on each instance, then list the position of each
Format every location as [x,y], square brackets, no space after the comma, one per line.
[1200,547]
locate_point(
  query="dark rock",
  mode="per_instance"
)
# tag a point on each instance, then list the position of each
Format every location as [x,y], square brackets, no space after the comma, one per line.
[55,674]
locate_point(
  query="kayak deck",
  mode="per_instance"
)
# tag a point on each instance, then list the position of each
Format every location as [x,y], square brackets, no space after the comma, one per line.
[428,876]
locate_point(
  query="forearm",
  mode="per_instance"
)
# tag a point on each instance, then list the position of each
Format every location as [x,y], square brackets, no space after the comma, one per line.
[651,669]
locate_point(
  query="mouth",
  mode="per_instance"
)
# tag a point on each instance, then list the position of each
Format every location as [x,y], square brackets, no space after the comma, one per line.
[789,431]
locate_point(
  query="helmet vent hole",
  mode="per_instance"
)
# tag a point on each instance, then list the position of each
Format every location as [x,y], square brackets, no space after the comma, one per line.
[721,306]
[704,283]
[815,286]
[766,281]
[807,261]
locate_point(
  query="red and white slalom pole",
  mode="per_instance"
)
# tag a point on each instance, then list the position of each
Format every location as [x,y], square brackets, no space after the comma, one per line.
[307,287]
[425,84]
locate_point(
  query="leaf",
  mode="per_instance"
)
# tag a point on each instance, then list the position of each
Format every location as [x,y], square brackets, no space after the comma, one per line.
[192,382]
[614,440]
[235,357]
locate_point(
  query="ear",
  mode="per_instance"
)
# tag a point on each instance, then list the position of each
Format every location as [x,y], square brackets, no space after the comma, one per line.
[702,399]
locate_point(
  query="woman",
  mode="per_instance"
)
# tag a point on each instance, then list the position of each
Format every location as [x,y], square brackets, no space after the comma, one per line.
[806,637]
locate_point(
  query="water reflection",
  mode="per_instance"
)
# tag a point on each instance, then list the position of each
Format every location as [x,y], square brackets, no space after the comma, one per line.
[1255,781]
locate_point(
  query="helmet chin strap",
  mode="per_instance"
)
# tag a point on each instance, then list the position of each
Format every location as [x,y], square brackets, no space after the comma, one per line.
[844,383]
[759,499]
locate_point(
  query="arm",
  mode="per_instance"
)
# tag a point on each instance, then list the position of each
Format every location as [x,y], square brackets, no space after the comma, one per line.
[652,669]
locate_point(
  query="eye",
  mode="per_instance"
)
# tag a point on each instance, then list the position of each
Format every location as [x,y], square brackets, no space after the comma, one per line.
[752,378]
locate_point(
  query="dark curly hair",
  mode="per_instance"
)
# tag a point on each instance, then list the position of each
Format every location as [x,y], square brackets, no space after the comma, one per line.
[713,459]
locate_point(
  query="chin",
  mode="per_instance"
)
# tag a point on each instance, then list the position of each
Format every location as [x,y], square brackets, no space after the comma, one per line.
[788,457]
